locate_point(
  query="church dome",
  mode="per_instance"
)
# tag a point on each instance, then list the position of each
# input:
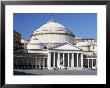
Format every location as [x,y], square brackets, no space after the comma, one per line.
[52,26]
[35,44]
[53,32]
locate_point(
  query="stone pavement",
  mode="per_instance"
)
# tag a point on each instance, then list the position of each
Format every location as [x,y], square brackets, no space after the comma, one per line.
[53,72]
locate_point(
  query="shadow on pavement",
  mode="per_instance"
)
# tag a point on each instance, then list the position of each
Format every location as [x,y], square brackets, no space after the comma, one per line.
[21,73]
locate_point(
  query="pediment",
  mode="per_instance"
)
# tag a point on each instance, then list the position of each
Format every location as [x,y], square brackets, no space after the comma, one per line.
[66,46]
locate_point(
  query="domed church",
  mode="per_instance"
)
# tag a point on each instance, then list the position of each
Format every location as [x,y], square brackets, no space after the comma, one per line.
[52,47]
[53,32]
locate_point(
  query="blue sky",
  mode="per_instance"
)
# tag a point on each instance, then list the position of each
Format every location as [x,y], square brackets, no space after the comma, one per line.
[83,25]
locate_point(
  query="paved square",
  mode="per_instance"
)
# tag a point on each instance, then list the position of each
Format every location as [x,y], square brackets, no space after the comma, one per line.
[53,72]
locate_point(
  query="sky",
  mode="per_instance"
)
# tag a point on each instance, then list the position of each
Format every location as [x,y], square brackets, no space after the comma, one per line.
[83,25]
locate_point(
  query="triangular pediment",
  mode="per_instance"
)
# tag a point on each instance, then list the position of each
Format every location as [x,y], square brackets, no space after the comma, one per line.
[66,46]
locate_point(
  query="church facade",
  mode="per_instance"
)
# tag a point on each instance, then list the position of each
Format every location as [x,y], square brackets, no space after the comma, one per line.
[53,46]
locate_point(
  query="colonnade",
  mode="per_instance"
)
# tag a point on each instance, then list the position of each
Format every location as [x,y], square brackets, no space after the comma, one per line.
[91,63]
[69,59]
[55,60]
[21,62]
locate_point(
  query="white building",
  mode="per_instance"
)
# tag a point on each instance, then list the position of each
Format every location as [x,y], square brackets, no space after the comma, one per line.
[52,46]
[24,43]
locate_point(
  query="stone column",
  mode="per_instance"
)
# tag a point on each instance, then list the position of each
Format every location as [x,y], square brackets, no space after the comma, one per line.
[72,61]
[31,62]
[92,62]
[43,62]
[77,59]
[96,63]
[81,60]
[58,62]
[68,60]
[88,63]
[36,63]
[49,60]
[63,59]
[54,60]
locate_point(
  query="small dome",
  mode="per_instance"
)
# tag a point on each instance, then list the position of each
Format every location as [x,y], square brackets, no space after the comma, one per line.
[83,44]
[35,44]
[35,41]
[24,41]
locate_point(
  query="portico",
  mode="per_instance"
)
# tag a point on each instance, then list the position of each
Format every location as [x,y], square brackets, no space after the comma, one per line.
[65,60]
[60,58]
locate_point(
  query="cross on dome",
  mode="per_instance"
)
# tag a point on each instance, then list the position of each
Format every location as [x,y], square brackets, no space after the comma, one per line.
[52,19]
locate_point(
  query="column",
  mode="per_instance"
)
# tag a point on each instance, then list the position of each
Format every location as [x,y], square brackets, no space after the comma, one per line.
[58,62]
[40,62]
[72,61]
[88,63]
[63,58]
[77,59]
[81,60]
[20,61]
[68,60]
[92,62]
[49,60]
[96,63]
[31,62]
[36,62]
[27,62]
[54,60]
[46,62]
[43,60]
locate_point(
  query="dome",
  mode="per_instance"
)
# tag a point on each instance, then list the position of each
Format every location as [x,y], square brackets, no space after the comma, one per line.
[52,27]
[35,41]
[53,32]
[35,44]
[83,44]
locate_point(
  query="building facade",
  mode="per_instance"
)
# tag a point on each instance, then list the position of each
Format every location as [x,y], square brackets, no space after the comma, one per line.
[53,46]
[17,41]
